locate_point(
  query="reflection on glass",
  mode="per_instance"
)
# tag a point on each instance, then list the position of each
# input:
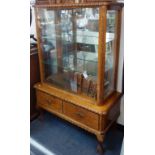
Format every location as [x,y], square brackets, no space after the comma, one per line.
[110,49]
[69,40]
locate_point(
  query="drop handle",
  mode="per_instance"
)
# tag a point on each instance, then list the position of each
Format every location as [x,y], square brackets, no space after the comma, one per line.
[81,115]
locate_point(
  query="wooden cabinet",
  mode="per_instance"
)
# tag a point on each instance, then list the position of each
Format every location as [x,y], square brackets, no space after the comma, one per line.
[34,77]
[78,56]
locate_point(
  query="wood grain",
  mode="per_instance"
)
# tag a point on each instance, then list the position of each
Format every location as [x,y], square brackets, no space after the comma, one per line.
[49,101]
[76,5]
[79,100]
[82,115]
[101,54]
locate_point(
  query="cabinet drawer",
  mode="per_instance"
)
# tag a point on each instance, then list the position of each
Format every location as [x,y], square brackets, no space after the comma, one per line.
[81,115]
[49,101]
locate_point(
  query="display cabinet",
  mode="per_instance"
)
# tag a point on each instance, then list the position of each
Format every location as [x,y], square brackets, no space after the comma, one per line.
[78,42]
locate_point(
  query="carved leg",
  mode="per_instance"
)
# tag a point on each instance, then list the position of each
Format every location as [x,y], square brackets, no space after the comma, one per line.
[100,139]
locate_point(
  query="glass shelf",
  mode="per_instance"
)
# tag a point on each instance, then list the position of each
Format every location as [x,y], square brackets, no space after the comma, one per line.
[76,68]
[85,37]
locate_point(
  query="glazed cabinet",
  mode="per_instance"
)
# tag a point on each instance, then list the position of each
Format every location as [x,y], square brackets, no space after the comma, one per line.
[78,42]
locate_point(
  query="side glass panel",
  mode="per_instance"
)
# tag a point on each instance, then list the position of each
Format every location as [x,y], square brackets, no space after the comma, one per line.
[69,42]
[110,53]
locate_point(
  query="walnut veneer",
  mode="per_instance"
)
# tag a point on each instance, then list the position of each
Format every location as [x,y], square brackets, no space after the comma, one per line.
[94,114]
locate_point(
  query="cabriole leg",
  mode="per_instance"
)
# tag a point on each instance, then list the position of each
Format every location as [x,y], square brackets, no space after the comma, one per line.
[100,139]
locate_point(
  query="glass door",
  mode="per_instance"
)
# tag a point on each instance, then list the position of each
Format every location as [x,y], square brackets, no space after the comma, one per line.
[110,55]
[69,44]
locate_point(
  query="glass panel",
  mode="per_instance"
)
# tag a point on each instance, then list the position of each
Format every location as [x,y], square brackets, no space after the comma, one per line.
[110,51]
[69,40]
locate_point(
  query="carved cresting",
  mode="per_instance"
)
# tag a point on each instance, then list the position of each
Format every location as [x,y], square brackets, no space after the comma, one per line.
[69,1]
[61,1]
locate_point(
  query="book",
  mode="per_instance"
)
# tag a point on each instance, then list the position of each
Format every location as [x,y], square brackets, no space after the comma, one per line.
[92,91]
[78,78]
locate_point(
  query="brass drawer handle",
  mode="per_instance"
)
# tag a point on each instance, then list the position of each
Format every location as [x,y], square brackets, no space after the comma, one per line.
[80,115]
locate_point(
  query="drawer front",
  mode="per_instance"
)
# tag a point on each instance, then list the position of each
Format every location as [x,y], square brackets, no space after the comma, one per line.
[81,115]
[49,101]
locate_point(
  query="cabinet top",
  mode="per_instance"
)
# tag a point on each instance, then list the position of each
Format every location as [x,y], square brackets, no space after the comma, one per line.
[76,3]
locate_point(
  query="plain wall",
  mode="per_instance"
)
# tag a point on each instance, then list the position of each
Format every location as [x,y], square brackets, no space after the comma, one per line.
[33,24]
[120,71]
